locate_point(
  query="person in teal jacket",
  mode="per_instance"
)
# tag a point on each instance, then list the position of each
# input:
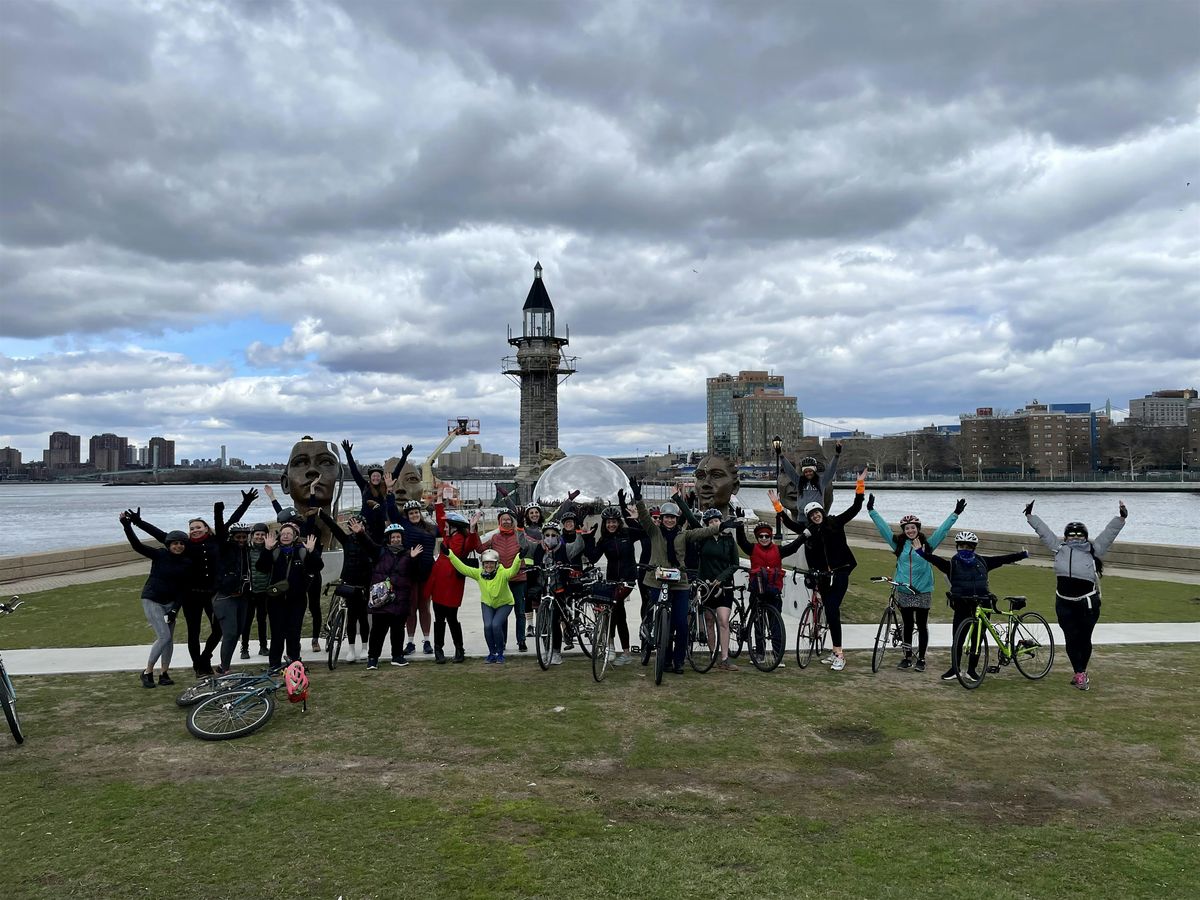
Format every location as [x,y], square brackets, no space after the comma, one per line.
[912,570]
[496,597]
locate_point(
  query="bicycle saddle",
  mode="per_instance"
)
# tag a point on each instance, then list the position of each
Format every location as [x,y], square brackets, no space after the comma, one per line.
[1017,602]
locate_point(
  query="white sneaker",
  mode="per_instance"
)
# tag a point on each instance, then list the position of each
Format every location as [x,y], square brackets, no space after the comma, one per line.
[612,654]
[623,660]
[828,660]
[782,665]
[353,651]
[555,659]
[839,663]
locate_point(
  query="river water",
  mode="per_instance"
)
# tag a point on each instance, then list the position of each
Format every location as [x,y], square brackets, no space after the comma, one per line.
[38,517]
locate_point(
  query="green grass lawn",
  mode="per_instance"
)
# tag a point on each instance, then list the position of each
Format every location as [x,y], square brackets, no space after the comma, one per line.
[110,612]
[472,781]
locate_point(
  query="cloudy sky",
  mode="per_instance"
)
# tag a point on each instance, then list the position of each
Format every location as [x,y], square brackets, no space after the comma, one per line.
[233,222]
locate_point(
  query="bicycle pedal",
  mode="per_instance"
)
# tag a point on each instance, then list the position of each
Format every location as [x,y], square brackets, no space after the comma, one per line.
[992,670]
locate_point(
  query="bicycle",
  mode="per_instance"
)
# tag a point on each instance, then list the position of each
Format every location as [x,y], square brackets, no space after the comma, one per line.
[1024,640]
[560,600]
[236,712]
[891,630]
[812,630]
[214,684]
[334,631]
[656,633]
[703,635]
[8,694]
[749,625]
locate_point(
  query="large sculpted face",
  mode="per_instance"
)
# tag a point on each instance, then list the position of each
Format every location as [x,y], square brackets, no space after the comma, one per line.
[716,481]
[408,484]
[787,494]
[312,473]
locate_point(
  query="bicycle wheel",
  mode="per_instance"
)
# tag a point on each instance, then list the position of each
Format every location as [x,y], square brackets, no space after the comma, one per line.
[767,639]
[543,626]
[600,642]
[701,651]
[647,636]
[1032,644]
[805,638]
[337,633]
[971,638]
[662,626]
[232,714]
[8,699]
[584,623]
[883,637]
[737,635]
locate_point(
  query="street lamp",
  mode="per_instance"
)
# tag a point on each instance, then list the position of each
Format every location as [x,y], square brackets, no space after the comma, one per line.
[1071,462]
[777,444]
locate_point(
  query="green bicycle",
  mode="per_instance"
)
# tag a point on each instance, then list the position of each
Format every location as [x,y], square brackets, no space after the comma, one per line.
[1024,639]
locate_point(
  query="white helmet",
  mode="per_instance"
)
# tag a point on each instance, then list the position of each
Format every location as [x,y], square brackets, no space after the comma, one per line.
[669,509]
[810,508]
[966,537]
[490,556]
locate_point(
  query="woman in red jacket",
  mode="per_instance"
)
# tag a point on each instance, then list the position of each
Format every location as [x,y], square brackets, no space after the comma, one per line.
[766,567]
[445,585]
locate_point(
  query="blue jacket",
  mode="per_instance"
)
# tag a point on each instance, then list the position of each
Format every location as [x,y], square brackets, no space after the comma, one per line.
[910,567]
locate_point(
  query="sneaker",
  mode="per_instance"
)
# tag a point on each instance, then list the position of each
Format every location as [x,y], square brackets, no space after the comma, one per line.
[459,655]
[529,632]
[410,647]
[727,666]
[973,675]
[262,650]
[905,663]
[165,680]
[920,666]
[491,658]
[522,647]
[439,657]
[1083,682]
[678,670]
[949,675]
[316,645]
[828,660]
[839,663]
[351,653]
[555,659]
[499,658]
[221,670]
[148,680]
[372,663]
[427,648]
[782,665]
[245,653]
[992,670]
[399,661]
[612,654]
[568,644]
[623,659]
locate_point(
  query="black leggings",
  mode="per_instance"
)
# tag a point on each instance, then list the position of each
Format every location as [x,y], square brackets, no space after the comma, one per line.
[448,615]
[356,615]
[964,611]
[286,615]
[385,622]
[314,604]
[618,624]
[256,608]
[921,617]
[831,597]
[197,603]
[1077,619]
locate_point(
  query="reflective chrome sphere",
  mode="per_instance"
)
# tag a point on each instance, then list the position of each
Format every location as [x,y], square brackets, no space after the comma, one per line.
[596,478]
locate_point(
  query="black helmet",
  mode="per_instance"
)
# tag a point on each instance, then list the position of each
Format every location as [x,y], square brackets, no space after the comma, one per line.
[288,514]
[239,528]
[610,512]
[809,462]
[175,536]
[260,526]
[374,467]
[1075,528]
[414,504]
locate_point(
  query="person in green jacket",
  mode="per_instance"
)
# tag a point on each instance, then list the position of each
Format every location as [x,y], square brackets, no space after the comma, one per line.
[915,571]
[496,597]
[717,561]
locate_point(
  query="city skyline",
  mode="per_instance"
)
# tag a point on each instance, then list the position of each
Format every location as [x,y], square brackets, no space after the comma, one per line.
[320,218]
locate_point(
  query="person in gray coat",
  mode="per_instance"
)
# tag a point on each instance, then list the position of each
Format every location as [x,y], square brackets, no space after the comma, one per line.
[1077,570]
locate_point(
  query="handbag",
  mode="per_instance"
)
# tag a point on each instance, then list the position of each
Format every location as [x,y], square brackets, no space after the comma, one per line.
[280,588]
[380,596]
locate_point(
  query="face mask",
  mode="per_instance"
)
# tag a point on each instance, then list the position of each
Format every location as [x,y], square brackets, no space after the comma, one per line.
[1077,540]
[967,556]
[488,575]
[551,541]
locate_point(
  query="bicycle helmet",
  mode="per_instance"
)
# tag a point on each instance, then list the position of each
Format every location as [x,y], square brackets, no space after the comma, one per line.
[391,529]
[552,525]
[610,512]
[966,537]
[295,679]
[669,509]
[710,514]
[654,511]
[567,514]
[1075,529]
[287,514]
[414,504]
[532,507]
[910,520]
[260,526]
[290,525]
[454,517]
[176,537]
[809,462]
[373,467]
[239,528]
[762,528]
[489,556]
[810,508]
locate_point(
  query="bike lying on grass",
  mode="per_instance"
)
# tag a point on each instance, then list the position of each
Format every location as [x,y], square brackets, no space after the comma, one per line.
[237,711]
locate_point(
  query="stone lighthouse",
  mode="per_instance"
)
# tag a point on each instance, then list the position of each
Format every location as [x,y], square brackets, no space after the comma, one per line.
[538,367]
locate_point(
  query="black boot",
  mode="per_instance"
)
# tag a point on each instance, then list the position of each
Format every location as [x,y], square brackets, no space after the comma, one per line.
[438,656]
[459,656]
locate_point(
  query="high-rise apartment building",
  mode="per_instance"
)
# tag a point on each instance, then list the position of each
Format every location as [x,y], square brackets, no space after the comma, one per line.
[746,411]
[1163,407]
[10,460]
[472,456]
[1052,439]
[108,452]
[62,451]
[160,453]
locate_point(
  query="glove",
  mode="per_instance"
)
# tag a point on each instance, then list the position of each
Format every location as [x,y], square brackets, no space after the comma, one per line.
[837,446]
[1029,508]
[219,506]
[635,486]
[249,496]
[730,524]
[959,507]
[870,502]
[621,500]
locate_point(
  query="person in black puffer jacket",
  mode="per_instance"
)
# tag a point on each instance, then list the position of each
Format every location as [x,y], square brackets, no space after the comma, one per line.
[233,576]
[288,561]
[170,572]
[358,561]
[616,544]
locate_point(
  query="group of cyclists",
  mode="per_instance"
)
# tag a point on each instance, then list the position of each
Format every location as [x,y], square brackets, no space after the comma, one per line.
[403,560]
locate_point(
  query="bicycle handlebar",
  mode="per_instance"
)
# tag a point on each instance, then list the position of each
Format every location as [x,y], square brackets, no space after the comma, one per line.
[12,604]
[883,579]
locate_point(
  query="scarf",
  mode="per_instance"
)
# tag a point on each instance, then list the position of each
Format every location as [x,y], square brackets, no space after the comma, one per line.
[670,535]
